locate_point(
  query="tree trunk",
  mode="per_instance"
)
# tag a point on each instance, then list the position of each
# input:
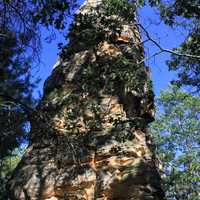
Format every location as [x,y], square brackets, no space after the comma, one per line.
[89,137]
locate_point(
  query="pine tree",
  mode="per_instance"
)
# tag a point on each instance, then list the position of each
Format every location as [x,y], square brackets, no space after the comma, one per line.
[15,92]
[89,137]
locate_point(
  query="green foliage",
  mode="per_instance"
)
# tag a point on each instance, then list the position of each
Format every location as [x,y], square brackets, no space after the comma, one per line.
[52,13]
[178,124]
[86,27]
[98,25]
[15,91]
[7,165]
[170,11]
[185,14]
[19,47]
[25,18]
[188,69]
[176,133]
[16,18]
[119,75]
[17,34]
[111,74]
[121,8]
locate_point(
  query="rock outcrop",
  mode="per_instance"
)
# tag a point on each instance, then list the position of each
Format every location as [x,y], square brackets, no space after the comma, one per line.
[89,137]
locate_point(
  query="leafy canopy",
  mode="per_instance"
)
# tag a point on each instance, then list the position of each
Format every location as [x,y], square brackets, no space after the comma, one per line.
[20,36]
[176,133]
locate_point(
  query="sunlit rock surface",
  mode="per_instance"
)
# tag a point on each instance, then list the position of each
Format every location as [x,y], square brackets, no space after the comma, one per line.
[88,141]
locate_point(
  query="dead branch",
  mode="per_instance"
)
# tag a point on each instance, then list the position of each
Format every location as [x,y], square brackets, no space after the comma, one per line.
[164,49]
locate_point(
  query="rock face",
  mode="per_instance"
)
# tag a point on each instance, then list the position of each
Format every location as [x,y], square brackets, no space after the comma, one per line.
[89,137]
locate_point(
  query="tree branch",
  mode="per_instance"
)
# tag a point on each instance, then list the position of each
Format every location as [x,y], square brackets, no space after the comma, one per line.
[165,49]
[3,35]
[149,57]
[7,98]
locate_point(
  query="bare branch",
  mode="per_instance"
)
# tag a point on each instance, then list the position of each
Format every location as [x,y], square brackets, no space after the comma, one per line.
[3,35]
[165,49]
[149,57]
[15,101]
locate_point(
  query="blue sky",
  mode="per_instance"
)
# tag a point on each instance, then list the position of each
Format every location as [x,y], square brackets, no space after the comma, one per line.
[167,37]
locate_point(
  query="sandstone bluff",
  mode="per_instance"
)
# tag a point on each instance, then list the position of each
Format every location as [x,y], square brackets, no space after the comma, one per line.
[89,137]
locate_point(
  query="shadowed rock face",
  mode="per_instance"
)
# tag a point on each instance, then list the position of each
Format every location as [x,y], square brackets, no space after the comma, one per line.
[89,139]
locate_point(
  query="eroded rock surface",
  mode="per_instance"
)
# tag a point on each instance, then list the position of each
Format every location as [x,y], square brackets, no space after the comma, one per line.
[89,137]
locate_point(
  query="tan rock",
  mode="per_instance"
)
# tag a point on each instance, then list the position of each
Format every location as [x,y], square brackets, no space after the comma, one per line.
[109,49]
[77,153]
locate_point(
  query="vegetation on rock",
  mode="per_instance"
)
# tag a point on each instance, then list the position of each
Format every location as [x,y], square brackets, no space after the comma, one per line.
[112,64]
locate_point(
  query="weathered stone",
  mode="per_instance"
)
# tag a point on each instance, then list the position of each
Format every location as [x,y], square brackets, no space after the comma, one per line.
[92,144]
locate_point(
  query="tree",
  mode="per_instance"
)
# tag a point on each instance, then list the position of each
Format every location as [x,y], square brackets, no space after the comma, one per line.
[15,92]
[186,15]
[24,17]
[19,45]
[89,138]
[19,48]
[176,133]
